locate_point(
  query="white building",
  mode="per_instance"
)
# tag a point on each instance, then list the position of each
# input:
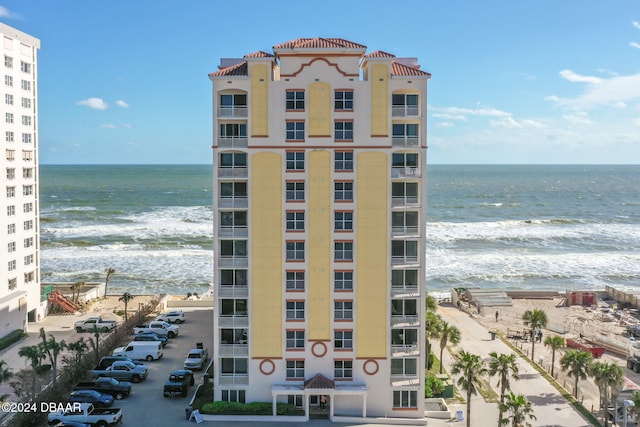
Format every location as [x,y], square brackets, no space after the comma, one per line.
[19,227]
[319,206]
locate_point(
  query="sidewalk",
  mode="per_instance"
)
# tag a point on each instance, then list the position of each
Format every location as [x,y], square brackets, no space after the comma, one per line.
[550,408]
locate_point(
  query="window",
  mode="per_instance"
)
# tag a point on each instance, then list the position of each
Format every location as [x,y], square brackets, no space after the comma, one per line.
[233,365]
[343,369]
[404,278]
[11,265]
[26,102]
[404,193]
[26,138]
[404,367]
[233,336]
[27,172]
[28,260]
[295,340]
[231,104]
[26,120]
[295,369]
[343,221]
[295,100]
[343,161]
[29,277]
[233,130]
[27,155]
[8,61]
[404,222]
[343,340]
[295,251]
[233,396]
[343,251]
[11,229]
[343,191]
[233,248]
[405,134]
[8,136]
[405,399]
[295,160]
[343,100]
[233,307]
[8,80]
[11,247]
[404,250]
[295,191]
[295,399]
[11,210]
[25,67]
[231,190]
[28,242]
[295,310]
[11,155]
[295,221]
[404,337]
[25,84]
[404,160]
[233,277]
[233,160]
[295,280]
[11,191]
[343,130]
[8,117]
[13,283]
[343,280]
[28,225]
[8,99]
[233,219]
[343,310]
[11,173]
[295,131]
[404,104]
[404,307]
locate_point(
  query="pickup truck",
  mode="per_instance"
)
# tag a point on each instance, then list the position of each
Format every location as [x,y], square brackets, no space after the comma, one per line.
[196,359]
[88,414]
[178,383]
[90,324]
[172,317]
[122,371]
[159,327]
[117,389]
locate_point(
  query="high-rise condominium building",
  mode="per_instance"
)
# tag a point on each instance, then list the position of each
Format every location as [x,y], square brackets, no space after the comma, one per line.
[19,228]
[319,169]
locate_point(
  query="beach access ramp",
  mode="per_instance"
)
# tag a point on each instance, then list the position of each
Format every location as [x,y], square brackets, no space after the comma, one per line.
[489,297]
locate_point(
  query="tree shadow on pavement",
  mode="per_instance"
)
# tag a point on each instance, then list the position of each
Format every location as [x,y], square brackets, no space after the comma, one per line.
[547,399]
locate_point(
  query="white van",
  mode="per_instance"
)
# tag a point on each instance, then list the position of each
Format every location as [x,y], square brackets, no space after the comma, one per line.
[141,350]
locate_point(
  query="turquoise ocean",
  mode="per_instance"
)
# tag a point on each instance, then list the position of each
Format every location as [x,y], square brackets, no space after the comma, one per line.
[507,227]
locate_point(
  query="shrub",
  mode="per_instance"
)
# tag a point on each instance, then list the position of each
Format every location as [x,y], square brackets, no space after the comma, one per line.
[11,337]
[253,408]
[433,386]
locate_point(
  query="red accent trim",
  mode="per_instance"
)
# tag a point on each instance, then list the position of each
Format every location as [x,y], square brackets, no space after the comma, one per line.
[318,344]
[368,370]
[264,371]
[331,64]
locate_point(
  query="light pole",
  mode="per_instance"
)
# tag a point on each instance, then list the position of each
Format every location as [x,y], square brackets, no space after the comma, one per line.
[627,404]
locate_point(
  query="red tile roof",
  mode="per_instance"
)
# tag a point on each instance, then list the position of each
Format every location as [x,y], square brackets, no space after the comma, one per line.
[319,43]
[398,69]
[258,54]
[319,381]
[379,54]
[239,69]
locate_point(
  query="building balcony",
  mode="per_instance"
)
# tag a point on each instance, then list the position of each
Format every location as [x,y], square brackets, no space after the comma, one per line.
[233,291]
[233,231]
[404,260]
[404,320]
[405,111]
[233,350]
[405,201]
[233,172]
[233,321]
[233,202]
[233,142]
[233,262]
[236,379]
[233,112]
[399,350]
[406,172]
[405,290]
[405,141]
[405,231]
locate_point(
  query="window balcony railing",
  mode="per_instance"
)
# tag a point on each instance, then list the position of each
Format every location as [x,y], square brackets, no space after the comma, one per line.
[233,262]
[405,141]
[237,231]
[237,172]
[233,321]
[233,142]
[233,111]
[233,202]
[404,260]
[399,350]
[405,111]
[405,172]
[233,379]
[233,350]
[405,201]
[405,230]
[225,291]
[404,320]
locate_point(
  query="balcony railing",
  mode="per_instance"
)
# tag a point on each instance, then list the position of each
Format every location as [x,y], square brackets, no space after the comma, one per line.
[233,172]
[404,290]
[233,231]
[405,201]
[233,321]
[403,260]
[233,202]
[233,291]
[406,172]
[405,111]
[404,350]
[233,350]
[405,141]
[233,262]
[405,230]
[233,142]
[233,379]
[404,320]
[233,111]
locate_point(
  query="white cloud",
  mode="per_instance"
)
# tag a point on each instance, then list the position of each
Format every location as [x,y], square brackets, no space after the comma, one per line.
[574,77]
[95,103]
[121,103]
[636,24]
[127,126]
[108,126]
[5,13]
[528,76]
[444,124]
[634,44]
[616,91]
[450,116]
[636,121]
[473,112]
[580,118]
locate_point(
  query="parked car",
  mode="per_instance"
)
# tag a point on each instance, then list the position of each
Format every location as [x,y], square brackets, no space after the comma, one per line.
[179,383]
[172,317]
[117,389]
[159,327]
[196,358]
[69,424]
[141,350]
[107,361]
[151,336]
[90,324]
[122,371]
[88,414]
[99,400]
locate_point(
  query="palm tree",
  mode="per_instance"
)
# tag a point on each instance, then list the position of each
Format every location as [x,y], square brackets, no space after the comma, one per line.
[79,348]
[126,297]
[110,272]
[432,323]
[518,408]
[607,376]
[35,355]
[448,333]
[471,369]
[576,362]
[5,374]
[505,366]
[555,342]
[52,348]
[534,319]
[431,303]
[76,288]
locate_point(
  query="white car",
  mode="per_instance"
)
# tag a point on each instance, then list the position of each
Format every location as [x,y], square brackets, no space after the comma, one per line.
[172,317]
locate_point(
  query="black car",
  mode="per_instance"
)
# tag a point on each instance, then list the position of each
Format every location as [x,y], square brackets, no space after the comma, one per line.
[179,383]
[99,400]
[151,336]
[107,361]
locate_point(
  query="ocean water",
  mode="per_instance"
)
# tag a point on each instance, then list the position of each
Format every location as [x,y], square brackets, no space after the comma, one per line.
[509,227]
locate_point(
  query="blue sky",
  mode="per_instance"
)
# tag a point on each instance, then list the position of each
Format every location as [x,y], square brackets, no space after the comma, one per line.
[543,81]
